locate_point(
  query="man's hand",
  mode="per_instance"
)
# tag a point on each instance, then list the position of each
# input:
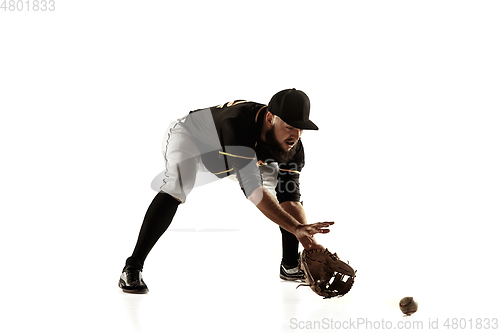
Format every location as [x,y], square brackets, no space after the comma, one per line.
[305,234]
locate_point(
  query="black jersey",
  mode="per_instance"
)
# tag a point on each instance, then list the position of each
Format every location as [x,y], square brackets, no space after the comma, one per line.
[228,137]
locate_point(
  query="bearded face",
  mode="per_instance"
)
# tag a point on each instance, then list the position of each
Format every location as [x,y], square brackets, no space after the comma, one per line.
[282,140]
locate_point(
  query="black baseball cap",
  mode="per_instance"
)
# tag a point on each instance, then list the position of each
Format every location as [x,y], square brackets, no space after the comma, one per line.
[293,107]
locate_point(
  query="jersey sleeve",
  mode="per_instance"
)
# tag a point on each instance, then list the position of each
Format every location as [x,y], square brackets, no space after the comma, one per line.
[239,155]
[288,186]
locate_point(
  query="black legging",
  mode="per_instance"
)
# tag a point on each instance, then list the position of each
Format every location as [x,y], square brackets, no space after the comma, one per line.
[158,217]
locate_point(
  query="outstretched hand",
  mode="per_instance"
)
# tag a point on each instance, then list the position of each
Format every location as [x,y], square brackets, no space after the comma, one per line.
[305,234]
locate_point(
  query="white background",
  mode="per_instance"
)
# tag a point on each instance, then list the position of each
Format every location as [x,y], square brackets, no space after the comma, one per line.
[406,95]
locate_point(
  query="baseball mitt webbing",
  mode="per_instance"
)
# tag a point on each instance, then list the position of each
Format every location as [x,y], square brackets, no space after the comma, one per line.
[325,273]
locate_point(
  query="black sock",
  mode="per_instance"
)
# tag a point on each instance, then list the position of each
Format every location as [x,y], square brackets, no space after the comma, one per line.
[290,245]
[158,217]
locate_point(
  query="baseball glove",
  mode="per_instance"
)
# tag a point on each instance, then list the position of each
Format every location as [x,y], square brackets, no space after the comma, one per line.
[325,273]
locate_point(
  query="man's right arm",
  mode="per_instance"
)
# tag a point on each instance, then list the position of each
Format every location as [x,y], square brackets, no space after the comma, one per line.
[271,208]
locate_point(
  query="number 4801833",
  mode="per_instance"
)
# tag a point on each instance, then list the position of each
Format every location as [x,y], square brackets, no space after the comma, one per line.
[28,5]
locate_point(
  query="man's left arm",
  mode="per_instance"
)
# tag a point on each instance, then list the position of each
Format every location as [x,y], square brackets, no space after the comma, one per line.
[288,186]
[295,209]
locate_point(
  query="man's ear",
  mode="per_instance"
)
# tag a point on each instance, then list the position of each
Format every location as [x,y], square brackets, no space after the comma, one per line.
[269,119]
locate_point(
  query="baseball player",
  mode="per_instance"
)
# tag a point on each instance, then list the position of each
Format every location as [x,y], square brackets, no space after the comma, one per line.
[258,145]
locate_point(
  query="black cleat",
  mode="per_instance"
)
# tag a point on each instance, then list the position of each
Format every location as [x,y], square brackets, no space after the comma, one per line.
[131,281]
[291,273]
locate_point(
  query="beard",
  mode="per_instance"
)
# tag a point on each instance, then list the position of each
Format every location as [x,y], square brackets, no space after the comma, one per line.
[281,155]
